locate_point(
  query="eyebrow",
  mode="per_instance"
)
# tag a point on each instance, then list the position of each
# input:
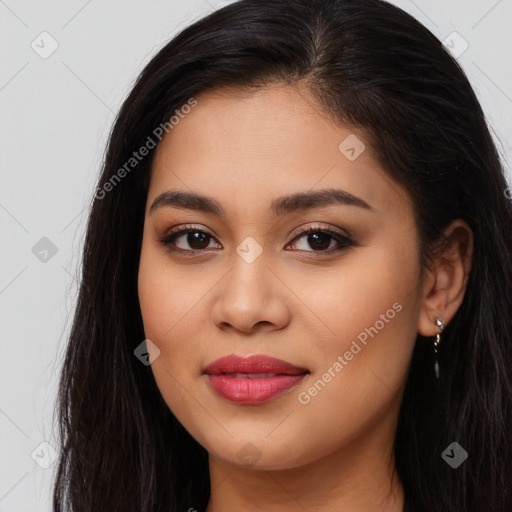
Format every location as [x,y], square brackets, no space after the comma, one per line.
[284,205]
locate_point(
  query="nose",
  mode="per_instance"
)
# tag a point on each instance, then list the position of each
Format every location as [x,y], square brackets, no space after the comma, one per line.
[251,298]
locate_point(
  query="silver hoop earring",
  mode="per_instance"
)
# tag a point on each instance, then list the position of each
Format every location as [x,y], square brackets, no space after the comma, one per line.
[437,341]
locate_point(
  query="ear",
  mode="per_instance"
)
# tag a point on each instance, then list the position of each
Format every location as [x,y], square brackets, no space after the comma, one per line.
[445,282]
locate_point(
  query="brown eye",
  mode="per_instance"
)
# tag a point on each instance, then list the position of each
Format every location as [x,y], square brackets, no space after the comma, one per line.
[320,240]
[195,239]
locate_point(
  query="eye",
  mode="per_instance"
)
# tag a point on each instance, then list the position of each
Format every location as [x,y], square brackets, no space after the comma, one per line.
[196,238]
[320,240]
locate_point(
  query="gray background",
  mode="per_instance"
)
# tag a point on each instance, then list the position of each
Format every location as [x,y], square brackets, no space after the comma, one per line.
[56,113]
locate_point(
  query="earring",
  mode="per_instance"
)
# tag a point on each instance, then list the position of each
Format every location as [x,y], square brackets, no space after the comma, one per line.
[440,324]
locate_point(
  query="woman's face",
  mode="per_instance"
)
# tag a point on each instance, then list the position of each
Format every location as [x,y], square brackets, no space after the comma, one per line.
[343,311]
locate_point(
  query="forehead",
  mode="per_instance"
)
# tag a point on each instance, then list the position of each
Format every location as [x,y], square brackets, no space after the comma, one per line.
[248,148]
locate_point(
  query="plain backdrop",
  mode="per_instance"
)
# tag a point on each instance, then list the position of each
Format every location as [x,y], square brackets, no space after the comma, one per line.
[56,113]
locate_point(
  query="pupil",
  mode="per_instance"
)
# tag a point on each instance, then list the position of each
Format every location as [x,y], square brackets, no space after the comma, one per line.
[321,236]
[196,237]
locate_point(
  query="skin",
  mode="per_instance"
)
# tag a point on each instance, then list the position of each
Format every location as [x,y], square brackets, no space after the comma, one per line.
[245,150]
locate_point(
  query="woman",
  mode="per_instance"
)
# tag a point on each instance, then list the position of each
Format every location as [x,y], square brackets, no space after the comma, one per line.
[297,277]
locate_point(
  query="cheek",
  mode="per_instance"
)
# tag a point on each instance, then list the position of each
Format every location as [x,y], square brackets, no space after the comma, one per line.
[174,320]
[362,366]
[372,315]
[155,297]
[371,298]
[166,296]
[164,305]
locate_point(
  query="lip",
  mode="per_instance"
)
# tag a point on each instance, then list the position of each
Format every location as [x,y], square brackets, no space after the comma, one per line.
[252,389]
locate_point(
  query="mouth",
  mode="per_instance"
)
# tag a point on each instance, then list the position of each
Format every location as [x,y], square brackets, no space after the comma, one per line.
[252,380]
[253,375]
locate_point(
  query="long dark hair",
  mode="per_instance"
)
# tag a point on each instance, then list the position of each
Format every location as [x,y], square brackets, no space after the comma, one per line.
[369,65]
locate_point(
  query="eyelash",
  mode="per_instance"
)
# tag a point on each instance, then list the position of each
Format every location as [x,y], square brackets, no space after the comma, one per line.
[343,240]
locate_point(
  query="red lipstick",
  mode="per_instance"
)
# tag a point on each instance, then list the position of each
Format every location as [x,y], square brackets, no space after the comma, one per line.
[254,379]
